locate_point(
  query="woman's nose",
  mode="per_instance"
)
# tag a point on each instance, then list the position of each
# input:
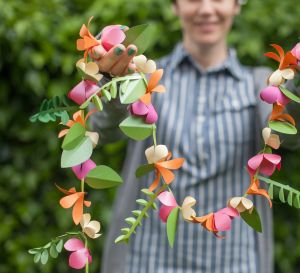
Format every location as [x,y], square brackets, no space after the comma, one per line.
[205,7]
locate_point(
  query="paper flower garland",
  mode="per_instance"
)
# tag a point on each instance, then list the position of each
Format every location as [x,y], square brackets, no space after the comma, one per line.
[136,91]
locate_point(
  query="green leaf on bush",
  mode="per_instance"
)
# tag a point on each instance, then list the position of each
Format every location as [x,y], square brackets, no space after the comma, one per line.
[136,128]
[144,169]
[98,103]
[73,137]
[289,94]
[283,127]
[172,225]
[82,152]
[103,177]
[141,36]
[252,219]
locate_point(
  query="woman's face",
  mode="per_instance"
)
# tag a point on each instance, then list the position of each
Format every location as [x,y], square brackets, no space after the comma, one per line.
[206,22]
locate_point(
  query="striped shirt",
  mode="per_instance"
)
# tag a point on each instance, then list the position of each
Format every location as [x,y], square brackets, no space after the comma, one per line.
[209,117]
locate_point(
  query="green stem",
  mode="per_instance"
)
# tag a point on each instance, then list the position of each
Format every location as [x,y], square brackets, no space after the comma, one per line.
[59,109]
[82,185]
[146,208]
[87,259]
[154,135]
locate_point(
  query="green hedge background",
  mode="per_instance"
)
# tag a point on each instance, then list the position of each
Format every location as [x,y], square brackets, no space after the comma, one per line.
[38,53]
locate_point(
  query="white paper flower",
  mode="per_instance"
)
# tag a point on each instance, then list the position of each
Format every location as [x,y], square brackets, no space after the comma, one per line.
[271,140]
[186,208]
[90,70]
[279,76]
[90,228]
[94,137]
[154,154]
[144,65]
[241,204]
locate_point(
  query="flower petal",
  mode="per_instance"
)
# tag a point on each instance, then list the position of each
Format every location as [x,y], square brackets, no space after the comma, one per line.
[78,259]
[73,244]
[167,199]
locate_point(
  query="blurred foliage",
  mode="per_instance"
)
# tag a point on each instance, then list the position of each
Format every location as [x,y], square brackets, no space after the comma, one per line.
[38,53]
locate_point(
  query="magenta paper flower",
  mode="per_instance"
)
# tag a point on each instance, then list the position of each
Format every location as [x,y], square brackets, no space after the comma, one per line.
[82,91]
[267,163]
[80,254]
[82,169]
[224,217]
[296,51]
[111,36]
[272,94]
[169,203]
[139,108]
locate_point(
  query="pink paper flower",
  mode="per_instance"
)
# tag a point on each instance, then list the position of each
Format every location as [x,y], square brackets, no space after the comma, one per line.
[139,108]
[267,163]
[296,51]
[169,203]
[111,36]
[272,94]
[83,169]
[82,91]
[224,217]
[80,254]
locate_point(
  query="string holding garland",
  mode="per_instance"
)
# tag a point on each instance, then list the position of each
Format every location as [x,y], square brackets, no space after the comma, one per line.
[136,90]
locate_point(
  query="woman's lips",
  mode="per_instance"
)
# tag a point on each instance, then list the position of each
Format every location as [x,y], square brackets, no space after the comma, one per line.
[206,27]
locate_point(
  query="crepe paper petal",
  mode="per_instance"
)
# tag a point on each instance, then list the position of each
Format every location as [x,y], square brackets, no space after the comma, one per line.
[241,204]
[266,163]
[276,78]
[156,153]
[111,36]
[186,208]
[155,183]
[252,219]
[154,79]
[68,201]
[89,70]
[139,108]
[167,199]
[79,258]
[167,175]
[94,137]
[296,51]
[222,221]
[144,65]
[75,134]
[172,222]
[141,36]
[144,169]
[133,90]
[73,244]
[152,115]
[82,91]
[255,189]
[272,94]
[289,94]
[86,218]
[135,128]
[266,132]
[173,164]
[103,177]
[232,212]
[288,73]
[78,155]
[83,169]
[63,133]
[90,228]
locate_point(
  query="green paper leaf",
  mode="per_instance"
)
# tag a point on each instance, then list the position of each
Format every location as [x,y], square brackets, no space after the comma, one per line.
[86,103]
[283,127]
[44,256]
[98,103]
[144,169]
[82,152]
[53,251]
[130,220]
[106,94]
[59,245]
[141,202]
[136,213]
[73,137]
[125,230]
[34,250]
[154,206]
[296,202]
[123,86]
[290,198]
[141,36]
[172,225]
[64,117]
[135,128]
[132,91]
[270,191]
[253,219]
[289,94]
[147,192]
[281,195]
[103,177]
[113,89]
[37,257]
[121,238]
[268,150]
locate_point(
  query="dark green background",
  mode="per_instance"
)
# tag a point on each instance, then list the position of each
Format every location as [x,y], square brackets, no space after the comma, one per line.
[37,57]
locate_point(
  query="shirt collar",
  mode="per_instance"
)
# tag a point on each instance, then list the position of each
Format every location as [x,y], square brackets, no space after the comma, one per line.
[231,64]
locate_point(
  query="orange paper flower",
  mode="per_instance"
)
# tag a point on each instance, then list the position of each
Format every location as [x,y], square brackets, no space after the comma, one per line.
[277,114]
[75,199]
[87,41]
[78,117]
[153,86]
[287,60]
[254,189]
[162,169]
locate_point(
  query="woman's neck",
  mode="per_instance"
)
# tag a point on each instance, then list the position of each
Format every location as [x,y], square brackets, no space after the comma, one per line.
[207,55]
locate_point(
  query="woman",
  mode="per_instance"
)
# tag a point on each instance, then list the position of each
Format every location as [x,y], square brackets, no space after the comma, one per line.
[210,115]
